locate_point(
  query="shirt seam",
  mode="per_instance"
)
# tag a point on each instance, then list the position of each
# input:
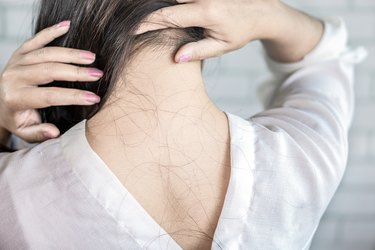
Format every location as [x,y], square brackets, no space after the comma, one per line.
[97,201]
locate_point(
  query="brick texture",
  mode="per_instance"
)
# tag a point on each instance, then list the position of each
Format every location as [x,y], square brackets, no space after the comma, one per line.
[349,222]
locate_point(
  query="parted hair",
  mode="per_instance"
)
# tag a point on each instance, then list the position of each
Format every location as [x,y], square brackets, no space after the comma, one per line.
[105,27]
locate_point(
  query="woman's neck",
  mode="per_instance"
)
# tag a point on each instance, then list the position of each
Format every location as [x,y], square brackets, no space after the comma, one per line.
[161,104]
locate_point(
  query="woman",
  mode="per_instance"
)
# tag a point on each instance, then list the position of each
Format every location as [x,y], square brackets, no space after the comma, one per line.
[151,162]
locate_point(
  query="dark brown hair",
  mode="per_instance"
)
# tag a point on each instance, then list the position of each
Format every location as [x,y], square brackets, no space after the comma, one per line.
[106,28]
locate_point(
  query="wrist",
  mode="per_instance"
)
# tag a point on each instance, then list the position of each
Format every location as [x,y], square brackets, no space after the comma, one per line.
[293,36]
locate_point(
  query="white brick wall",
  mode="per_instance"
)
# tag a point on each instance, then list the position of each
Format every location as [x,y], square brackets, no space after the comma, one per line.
[349,223]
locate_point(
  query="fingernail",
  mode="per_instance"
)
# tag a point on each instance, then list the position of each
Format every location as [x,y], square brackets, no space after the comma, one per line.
[63,24]
[185,58]
[92,98]
[87,56]
[95,73]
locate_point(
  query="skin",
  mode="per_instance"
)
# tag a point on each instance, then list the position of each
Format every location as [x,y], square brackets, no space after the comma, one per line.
[287,34]
[174,140]
[293,37]
[32,65]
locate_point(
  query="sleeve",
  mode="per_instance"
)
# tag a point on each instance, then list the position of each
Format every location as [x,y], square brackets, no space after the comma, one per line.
[300,142]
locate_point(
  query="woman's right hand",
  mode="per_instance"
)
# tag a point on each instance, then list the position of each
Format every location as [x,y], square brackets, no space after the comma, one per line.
[32,65]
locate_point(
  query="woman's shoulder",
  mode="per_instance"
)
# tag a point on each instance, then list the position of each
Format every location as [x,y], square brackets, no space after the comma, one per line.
[38,164]
[24,166]
[32,155]
[41,154]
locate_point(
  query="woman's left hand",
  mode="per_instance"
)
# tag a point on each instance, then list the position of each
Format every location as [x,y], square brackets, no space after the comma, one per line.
[229,25]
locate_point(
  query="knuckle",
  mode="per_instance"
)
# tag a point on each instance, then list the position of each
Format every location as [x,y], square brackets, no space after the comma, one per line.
[8,99]
[48,70]
[46,33]
[49,97]
[48,30]
[7,76]
[73,53]
[76,96]
[163,12]
[78,73]
[49,67]
[41,53]
[166,15]
[27,58]
[6,91]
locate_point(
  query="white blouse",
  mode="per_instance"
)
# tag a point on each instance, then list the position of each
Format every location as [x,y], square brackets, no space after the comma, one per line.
[286,164]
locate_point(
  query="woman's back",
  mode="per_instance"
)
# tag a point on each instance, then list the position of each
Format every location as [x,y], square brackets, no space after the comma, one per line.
[158,166]
[180,177]
[65,182]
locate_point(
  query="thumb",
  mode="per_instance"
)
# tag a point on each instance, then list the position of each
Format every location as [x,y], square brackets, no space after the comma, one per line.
[38,133]
[203,49]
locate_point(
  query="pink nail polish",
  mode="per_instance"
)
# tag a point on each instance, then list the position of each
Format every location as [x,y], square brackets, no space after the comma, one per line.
[95,73]
[90,97]
[88,56]
[63,24]
[185,58]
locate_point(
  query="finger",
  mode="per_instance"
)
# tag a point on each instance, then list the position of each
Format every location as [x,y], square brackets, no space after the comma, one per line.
[185,1]
[200,50]
[177,16]
[57,54]
[45,37]
[53,96]
[38,133]
[44,73]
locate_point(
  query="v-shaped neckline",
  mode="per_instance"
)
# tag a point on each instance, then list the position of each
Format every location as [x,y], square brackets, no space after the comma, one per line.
[113,196]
